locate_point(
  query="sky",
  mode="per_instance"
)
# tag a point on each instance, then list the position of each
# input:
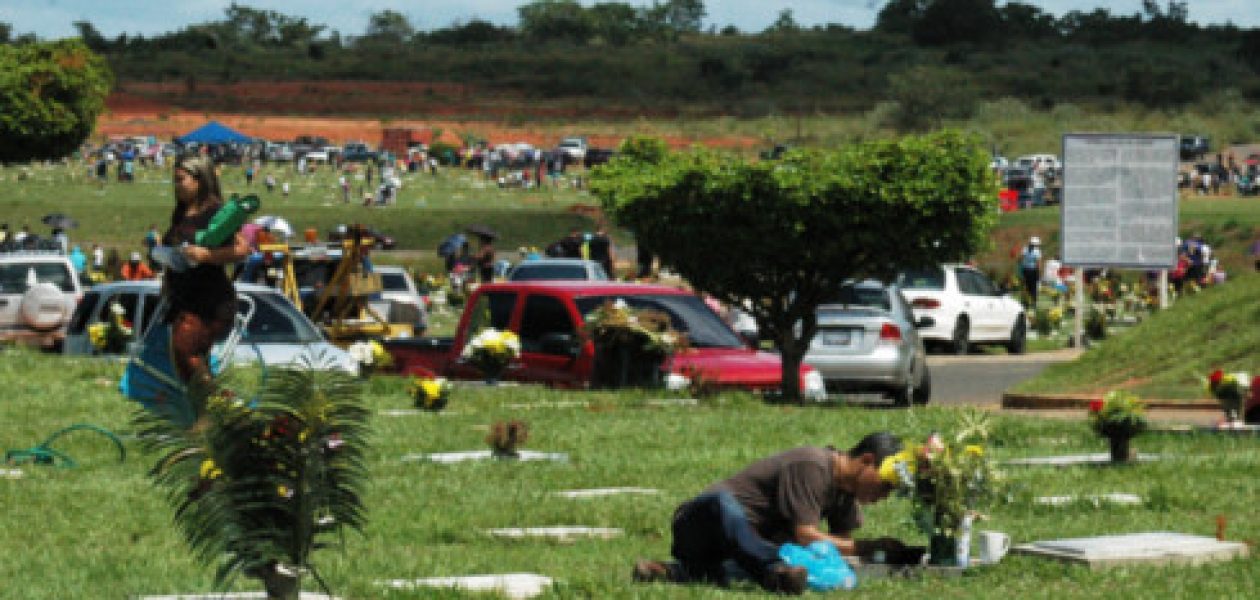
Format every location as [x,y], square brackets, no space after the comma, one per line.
[50,19]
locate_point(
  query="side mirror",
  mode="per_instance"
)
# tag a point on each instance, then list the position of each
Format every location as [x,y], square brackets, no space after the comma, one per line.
[925,322]
[564,344]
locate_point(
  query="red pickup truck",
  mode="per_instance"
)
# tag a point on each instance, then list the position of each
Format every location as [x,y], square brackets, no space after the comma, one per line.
[548,317]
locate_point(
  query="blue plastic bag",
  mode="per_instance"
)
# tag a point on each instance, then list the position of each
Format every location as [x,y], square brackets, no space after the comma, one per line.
[827,569]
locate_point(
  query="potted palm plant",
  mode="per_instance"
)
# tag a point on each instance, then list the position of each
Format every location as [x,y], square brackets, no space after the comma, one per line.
[257,486]
[1119,416]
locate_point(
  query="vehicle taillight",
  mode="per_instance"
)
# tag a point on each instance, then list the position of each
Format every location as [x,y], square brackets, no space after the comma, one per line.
[890,333]
[926,303]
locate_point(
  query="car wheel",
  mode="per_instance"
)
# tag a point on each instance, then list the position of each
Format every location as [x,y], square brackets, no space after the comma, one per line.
[1019,337]
[923,393]
[903,397]
[961,341]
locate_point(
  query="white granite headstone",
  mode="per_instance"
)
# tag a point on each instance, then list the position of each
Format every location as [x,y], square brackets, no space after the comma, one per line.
[1096,499]
[515,586]
[1159,547]
[1072,460]
[561,533]
[602,492]
[11,474]
[473,455]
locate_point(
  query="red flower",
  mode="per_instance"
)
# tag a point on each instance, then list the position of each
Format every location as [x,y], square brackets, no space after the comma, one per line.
[1095,406]
[1215,378]
[1255,388]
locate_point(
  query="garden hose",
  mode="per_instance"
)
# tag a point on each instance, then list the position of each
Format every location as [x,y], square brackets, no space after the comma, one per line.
[43,454]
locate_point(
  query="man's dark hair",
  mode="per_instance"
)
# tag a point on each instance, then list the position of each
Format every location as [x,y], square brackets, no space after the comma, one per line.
[882,444]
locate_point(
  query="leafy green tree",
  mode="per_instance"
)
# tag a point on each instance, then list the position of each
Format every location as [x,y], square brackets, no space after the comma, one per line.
[927,96]
[616,23]
[555,20]
[389,27]
[900,16]
[785,234]
[50,96]
[946,22]
[786,23]
[91,37]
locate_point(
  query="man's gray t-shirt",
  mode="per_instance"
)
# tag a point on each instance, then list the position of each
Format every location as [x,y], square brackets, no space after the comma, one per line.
[797,487]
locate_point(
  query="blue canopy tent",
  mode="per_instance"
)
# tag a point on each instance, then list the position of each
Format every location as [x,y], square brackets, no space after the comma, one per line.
[214,133]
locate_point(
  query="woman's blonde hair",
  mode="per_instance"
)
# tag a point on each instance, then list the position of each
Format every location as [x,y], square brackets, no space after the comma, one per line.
[202,169]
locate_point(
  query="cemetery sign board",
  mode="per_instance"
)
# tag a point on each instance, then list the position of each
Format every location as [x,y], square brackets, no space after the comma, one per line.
[1119,200]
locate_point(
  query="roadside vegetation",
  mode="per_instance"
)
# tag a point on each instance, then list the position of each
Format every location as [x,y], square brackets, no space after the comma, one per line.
[427,520]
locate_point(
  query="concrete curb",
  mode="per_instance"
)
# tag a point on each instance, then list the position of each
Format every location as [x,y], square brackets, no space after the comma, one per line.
[1018,401]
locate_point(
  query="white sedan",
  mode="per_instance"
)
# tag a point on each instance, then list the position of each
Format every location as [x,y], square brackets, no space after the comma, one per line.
[967,307]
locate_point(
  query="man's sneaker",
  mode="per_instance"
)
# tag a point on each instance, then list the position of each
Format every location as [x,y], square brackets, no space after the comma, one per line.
[786,579]
[649,571]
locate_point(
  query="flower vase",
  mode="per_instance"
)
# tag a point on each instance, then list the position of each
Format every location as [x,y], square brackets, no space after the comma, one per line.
[1121,450]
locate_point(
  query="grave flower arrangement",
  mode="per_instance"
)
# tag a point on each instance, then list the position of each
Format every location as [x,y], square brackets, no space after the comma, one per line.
[491,350]
[948,480]
[370,355]
[630,344]
[257,486]
[1231,390]
[111,337]
[430,393]
[506,437]
[1119,416]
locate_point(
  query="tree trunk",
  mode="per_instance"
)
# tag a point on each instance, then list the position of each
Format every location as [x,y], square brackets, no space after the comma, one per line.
[791,353]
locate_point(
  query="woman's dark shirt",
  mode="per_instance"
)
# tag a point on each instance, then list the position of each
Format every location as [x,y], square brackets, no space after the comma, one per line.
[204,290]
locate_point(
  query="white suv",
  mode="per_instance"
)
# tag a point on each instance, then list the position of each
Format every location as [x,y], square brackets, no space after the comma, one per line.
[38,293]
[968,309]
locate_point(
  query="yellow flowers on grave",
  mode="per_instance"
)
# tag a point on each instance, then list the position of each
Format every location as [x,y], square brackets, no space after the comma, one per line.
[491,350]
[947,478]
[615,322]
[371,355]
[209,470]
[429,393]
[1118,413]
[111,336]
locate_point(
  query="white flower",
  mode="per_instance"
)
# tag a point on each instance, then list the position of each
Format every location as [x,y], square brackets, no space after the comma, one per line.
[116,308]
[361,352]
[620,304]
[676,382]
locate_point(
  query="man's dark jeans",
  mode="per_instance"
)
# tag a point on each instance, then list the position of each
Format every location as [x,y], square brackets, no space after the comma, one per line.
[712,528]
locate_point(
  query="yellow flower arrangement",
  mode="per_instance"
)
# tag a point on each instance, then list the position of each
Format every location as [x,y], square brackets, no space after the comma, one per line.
[430,393]
[111,336]
[491,350]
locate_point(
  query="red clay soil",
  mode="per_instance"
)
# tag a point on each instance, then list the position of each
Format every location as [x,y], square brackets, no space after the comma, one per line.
[274,111]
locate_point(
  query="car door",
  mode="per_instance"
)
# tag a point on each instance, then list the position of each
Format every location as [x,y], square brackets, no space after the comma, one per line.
[978,302]
[549,340]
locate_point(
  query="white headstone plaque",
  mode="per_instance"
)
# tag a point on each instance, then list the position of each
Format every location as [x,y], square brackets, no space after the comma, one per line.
[515,586]
[560,533]
[1119,200]
[1160,547]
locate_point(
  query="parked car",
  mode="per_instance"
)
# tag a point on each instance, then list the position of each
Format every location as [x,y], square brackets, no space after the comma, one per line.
[38,292]
[557,268]
[967,307]
[868,340]
[278,332]
[549,317]
[1194,147]
[573,147]
[597,156]
[357,152]
[279,152]
[401,301]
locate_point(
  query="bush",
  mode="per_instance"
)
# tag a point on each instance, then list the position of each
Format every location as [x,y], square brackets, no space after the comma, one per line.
[1096,324]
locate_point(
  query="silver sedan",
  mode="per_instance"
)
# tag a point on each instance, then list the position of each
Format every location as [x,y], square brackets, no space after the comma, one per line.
[868,340]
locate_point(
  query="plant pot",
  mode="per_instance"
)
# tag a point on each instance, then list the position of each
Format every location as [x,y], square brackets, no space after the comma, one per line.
[1121,450]
[943,551]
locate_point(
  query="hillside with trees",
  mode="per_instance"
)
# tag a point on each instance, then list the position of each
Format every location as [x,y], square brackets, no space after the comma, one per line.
[935,58]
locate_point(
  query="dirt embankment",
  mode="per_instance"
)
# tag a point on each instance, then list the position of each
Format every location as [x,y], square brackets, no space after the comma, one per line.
[337,109]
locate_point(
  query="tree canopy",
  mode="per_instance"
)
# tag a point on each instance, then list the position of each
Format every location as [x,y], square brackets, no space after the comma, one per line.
[786,234]
[50,96]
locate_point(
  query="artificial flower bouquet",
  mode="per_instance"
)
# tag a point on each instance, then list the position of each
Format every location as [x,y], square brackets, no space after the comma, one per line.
[1231,390]
[491,350]
[371,355]
[430,393]
[1118,413]
[948,480]
[616,323]
[111,337]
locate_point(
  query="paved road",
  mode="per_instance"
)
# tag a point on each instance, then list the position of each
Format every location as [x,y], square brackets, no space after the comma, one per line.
[981,378]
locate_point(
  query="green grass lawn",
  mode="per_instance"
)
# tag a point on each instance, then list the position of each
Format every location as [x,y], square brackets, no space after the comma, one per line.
[1168,353]
[102,529]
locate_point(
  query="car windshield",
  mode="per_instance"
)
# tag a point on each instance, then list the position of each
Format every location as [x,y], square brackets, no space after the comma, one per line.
[15,276]
[540,270]
[687,314]
[932,278]
[851,295]
[276,321]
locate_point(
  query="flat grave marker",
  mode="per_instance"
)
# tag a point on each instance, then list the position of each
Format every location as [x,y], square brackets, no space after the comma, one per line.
[474,455]
[547,404]
[603,492]
[412,412]
[515,586]
[559,533]
[1097,499]
[1072,460]
[235,596]
[1158,548]
[12,474]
